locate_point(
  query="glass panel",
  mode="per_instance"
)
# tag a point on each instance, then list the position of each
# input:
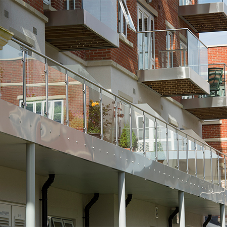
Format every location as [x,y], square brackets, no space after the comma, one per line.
[56,93]
[123,122]
[223,171]
[172,146]
[75,98]
[94,111]
[150,134]
[182,151]
[35,83]
[215,166]
[161,142]
[11,73]
[109,132]
[207,163]
[200,164]
[191,156]
[103,10]
[137,130]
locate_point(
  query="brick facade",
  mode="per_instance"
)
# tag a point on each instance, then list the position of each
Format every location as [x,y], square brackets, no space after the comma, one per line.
[37,4]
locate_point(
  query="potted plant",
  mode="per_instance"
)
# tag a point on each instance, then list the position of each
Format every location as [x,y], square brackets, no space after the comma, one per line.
[125,138]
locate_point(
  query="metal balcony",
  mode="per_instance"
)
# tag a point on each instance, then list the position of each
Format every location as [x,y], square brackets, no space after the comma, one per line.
[77,29]
[173,62]
[207,17]
[214,105]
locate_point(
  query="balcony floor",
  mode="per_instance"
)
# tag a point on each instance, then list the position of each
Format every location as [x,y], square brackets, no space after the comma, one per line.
[207,108]
[174,81]
[70,30]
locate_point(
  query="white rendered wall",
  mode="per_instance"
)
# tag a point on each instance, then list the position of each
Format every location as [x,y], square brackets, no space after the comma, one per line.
[23,21]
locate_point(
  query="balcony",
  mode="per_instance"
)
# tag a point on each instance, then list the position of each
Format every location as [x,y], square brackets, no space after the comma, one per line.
[173,62]
[214,105]
[206,15]
[75,28]
[67,101]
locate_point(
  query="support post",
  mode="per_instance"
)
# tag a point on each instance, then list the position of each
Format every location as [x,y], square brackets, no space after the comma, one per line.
[181,208]
[30,185]
[121,199]
[222,215]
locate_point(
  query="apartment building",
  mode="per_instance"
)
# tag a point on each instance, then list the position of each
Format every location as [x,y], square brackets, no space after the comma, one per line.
[99,120]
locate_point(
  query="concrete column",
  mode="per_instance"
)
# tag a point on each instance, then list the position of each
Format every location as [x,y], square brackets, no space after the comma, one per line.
[121,199]
[181,208]
[30,185]
[222,215]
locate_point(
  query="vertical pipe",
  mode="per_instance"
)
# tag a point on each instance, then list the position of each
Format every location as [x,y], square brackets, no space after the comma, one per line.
[101,113]
[130,127]
[181,209]
[116,118]
[67,97]
[144,133]
[204,163]
[222,215]
[187,170]
[84,107]
[195,157]
[167,144]
[46,78]
[178,152]
[121,199]
[24,77]
[30,185]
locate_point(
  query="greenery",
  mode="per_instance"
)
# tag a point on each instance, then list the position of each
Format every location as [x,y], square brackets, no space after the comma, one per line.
[94,119]
[125,138]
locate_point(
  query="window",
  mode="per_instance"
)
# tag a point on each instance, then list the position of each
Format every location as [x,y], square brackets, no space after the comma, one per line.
[125,18]
[145,22]
[39,107]
[59,222]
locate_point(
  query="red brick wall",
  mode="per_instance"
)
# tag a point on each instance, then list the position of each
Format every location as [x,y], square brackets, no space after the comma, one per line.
[37,4]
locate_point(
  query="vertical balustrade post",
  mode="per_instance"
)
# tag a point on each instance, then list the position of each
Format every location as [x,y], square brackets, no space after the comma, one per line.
[85,107]
[219,171]
[116,119]
[167,145]
[130,115]
[24,77]
[46,80]
[67,97]
[187,169]
[144,133]
[178,152]
[156,140]
[211,166]
[101,113]
[225,169]
[195,157]
[204,163]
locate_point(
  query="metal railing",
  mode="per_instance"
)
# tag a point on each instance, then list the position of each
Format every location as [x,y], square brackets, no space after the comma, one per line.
[193,2]
[105,11]
[37,83]
[172,48]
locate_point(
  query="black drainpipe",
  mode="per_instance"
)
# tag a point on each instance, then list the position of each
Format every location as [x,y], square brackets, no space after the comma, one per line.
[128,200]
[88,206]
[207,221]
[170,220]
[45,187]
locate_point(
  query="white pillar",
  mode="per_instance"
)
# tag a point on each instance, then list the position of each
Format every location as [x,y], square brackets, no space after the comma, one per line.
[121,199]
[181,208]
[30,185]
[222,215]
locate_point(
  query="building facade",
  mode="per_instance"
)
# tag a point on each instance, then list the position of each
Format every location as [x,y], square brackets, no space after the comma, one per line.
[100,123]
